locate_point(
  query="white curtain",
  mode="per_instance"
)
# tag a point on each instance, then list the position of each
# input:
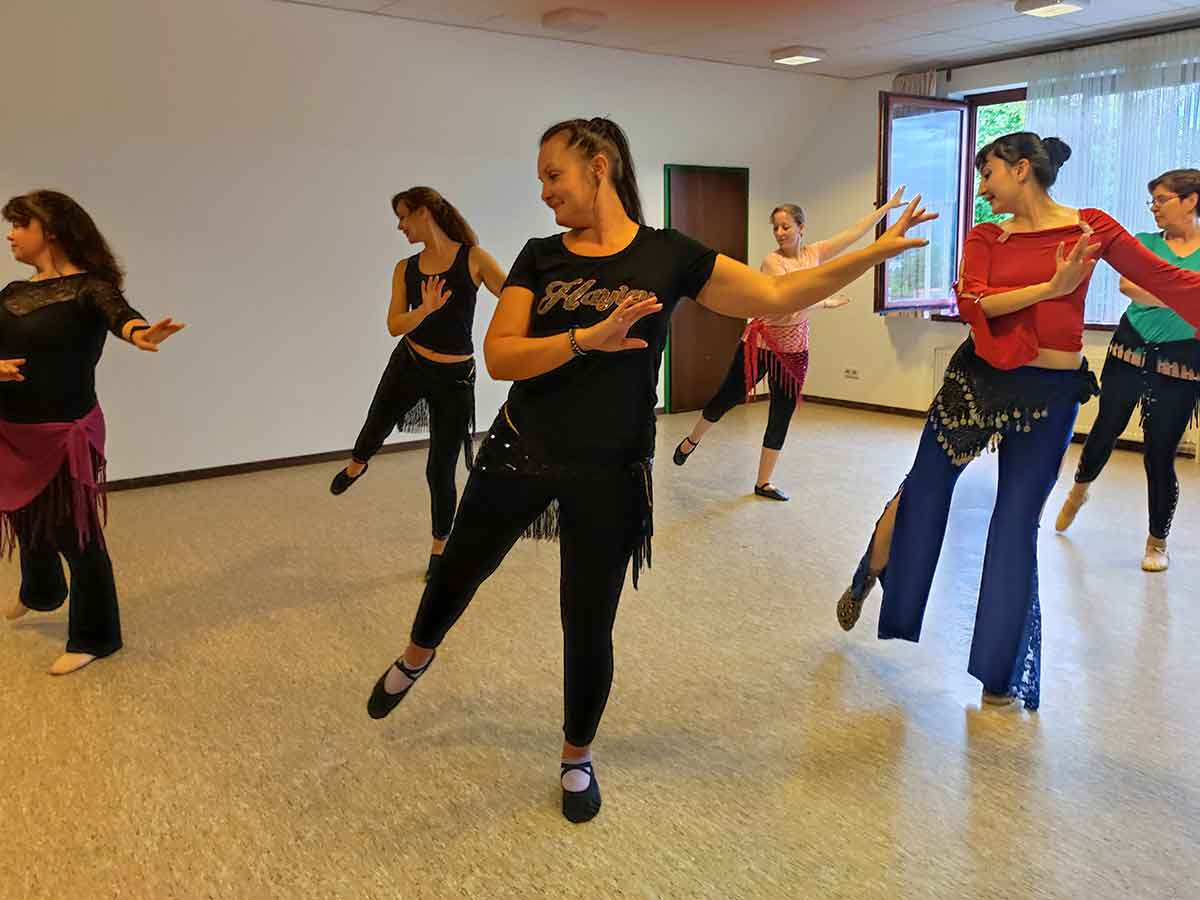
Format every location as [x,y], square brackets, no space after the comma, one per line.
[916,84]
[1130,111]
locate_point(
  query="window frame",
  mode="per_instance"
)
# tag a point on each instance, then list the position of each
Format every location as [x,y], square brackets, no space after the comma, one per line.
[882,177]
[974,102]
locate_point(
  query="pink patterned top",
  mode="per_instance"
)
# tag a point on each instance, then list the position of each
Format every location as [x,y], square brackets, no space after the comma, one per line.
[790,331]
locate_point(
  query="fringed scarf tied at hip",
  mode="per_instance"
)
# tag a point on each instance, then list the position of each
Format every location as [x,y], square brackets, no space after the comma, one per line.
[52,473]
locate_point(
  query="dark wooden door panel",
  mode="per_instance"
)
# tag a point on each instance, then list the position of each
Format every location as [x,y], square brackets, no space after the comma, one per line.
[712,206]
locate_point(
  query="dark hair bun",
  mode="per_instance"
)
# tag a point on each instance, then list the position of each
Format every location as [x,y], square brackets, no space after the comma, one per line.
[1058,150]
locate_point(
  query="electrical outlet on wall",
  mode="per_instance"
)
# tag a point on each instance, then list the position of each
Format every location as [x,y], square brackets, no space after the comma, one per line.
[851,374]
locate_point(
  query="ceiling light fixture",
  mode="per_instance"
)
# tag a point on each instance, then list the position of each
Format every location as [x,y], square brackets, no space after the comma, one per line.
[1048,8]
[574,20]
[797,56]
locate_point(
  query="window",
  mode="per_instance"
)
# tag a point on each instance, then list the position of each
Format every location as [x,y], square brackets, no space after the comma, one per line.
[992,115]
[922,145]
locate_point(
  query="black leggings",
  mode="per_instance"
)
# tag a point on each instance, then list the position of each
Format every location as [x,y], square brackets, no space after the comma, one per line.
[733,391]
[94,619]
[1168,404]
[412,383]
[596,513]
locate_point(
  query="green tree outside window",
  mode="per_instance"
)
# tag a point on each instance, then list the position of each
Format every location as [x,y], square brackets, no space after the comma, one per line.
[991,122]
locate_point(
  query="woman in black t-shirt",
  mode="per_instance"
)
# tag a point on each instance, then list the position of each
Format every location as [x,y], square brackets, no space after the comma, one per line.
[52,332]
[429,382]
[580,330]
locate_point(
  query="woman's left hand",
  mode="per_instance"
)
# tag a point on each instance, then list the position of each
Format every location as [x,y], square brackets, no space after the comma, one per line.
[840,300]
[149,338]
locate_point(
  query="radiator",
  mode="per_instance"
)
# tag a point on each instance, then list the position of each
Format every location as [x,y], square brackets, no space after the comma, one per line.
[941,359]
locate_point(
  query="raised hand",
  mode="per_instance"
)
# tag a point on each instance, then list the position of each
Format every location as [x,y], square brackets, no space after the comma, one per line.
[1073,268]
[10,370]
[895,241]
[896,201]
[612,334]
[433,294]
[148,339]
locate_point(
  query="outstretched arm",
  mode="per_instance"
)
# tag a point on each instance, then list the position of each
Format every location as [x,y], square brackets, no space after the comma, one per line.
[737,290]
[832,246]
[1138,295]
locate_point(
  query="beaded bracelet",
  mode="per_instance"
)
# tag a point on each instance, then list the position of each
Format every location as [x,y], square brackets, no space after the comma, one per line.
[575,348]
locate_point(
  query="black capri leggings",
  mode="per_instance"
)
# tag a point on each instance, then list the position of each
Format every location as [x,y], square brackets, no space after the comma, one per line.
[447,390]
[733,391]
[1168,404]
[599,511]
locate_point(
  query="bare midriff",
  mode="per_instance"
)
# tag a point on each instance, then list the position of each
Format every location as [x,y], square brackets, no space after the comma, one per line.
[434,356]
[1056,359]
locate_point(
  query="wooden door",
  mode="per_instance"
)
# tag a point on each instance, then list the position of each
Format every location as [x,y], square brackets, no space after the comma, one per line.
[711,205]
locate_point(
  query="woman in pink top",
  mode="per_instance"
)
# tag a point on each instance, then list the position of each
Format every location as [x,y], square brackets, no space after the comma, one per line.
[780,342]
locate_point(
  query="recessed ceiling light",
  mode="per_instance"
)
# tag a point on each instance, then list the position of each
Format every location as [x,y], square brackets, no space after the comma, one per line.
[797,56]
[574,20]
[1048,8]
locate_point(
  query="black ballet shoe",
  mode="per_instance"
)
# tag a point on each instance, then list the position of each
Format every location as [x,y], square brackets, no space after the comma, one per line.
[435,563]
[382,702]
[850,606]
[342,480]
[771,492]
[680,457]
[581,806]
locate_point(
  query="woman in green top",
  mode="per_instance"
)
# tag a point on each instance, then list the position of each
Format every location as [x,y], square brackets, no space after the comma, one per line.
[1153,358]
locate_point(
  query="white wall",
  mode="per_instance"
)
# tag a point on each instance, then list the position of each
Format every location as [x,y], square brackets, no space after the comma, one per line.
[240,154]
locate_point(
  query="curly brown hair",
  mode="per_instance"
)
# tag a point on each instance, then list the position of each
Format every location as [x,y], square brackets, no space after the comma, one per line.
[66,222]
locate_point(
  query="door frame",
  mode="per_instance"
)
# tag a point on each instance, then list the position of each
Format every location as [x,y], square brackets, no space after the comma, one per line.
[668,168]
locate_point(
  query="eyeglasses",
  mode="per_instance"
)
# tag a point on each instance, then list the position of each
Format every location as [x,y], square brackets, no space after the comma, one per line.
[1157,202]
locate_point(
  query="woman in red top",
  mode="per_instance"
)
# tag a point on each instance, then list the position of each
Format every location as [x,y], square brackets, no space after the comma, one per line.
[1016,385]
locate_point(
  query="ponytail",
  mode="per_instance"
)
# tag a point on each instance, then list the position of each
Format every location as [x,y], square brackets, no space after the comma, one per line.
[601,136]
[449,219]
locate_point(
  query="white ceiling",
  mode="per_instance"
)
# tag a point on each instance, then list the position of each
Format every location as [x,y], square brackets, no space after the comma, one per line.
[863,37]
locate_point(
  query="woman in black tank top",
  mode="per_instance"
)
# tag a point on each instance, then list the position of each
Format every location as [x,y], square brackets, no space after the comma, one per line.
[429,382]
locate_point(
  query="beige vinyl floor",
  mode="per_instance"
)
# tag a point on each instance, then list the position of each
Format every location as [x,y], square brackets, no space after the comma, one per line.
[751,749]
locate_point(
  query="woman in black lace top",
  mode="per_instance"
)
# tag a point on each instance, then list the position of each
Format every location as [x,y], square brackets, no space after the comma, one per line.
[52,332]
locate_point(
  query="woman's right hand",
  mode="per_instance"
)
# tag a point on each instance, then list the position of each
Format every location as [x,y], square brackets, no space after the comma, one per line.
[895,241]
[433,294]
[612,334]
[1073,268]
[10,370]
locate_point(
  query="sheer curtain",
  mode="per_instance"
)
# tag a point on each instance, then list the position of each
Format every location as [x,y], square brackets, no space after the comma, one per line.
[1130,111]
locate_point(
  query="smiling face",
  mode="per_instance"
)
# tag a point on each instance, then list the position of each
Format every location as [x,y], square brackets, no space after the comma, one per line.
[787,232]
[1001,183]
[28,242]
[569,182]
[412,223]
